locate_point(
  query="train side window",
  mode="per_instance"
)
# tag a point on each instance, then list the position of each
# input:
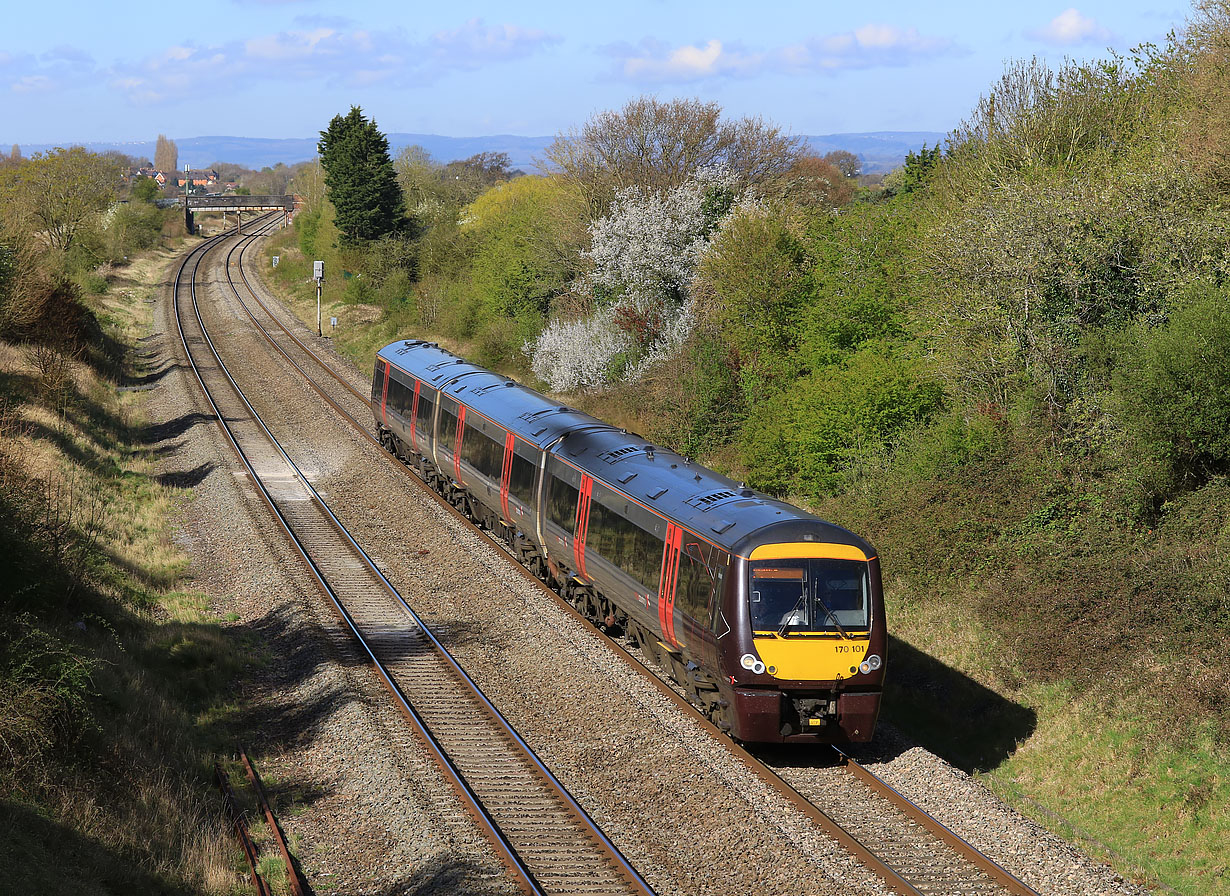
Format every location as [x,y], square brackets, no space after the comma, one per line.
[426,406]
[397,396]
[448,424]
[482,453]
[625,544]
[562,504]
[521,479]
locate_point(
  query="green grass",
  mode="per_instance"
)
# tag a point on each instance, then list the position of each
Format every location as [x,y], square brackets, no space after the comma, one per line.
[116,683]
[1094,773]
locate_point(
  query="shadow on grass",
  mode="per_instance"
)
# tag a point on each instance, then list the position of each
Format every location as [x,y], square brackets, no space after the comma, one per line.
[931,705]
[949,713]
[39,855]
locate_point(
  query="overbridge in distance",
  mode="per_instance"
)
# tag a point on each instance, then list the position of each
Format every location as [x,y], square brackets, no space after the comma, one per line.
[237,204]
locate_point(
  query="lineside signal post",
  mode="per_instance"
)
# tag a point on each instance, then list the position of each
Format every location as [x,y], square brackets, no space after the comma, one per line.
[318,274]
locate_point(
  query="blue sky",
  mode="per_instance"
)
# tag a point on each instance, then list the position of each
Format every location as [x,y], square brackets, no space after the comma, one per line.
[78,71]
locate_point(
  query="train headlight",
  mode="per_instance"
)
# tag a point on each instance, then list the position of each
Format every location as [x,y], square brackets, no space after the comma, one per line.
[748,661]
[870,664]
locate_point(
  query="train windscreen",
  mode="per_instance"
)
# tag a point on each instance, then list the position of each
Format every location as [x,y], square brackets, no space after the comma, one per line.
[793,596]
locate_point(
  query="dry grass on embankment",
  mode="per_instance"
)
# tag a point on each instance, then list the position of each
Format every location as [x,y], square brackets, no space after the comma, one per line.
[114,685]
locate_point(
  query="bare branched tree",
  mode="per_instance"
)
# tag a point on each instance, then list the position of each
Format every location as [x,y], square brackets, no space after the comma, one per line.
[166,155]
[63,189]
[658,146]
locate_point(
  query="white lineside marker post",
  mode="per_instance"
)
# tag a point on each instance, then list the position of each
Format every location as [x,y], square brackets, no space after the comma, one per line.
[318,274]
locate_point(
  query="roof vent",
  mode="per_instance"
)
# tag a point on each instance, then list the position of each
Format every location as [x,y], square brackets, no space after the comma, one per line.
[704,502]
[616,453]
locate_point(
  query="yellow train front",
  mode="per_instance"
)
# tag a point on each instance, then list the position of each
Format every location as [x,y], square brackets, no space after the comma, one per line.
[804,657]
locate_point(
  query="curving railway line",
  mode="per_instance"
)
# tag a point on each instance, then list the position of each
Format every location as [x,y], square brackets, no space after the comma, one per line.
[541,833]
[910,851]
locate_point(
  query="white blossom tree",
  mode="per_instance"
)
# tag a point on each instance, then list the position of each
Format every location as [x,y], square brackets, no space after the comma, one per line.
[644,254]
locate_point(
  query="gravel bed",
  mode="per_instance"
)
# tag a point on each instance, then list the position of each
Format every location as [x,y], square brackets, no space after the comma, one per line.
[1035,856]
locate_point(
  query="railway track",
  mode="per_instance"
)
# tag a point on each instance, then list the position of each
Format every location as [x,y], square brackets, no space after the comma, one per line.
[927,856]
[541,833]
[910,851]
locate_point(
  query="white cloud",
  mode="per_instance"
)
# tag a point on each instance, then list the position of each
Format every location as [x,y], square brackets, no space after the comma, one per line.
[655,61]
[322,52]
[287,45]
[872,45]
[60,68]
[475,44]
[32,84]
[1070,28]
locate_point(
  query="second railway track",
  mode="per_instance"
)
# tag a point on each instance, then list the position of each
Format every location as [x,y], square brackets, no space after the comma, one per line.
[544,835]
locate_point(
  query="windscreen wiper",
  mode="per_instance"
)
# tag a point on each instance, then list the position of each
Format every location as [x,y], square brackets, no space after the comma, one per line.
[798,604]
[831,615]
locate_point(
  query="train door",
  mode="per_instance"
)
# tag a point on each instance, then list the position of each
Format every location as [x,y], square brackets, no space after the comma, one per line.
[446,433]
[461,431]
[667,582]
[384,394]
[698,594]
[581,532]
[510,444]
[414,414]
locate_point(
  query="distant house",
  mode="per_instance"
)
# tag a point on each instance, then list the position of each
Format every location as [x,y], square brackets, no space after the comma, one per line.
[205,178]
[158,176]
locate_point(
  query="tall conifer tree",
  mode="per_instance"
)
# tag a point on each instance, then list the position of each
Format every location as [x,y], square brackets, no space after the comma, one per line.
[360,178]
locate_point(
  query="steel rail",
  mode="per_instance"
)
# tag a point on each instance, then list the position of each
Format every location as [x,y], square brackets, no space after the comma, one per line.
[241,828]
[292,873]
[934,826]
[510,854]
[892,877]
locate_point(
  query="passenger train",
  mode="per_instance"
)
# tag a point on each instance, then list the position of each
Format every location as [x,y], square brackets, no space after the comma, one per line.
[771,618]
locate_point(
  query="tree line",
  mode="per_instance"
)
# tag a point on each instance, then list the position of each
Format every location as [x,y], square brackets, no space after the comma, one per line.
[1041,302]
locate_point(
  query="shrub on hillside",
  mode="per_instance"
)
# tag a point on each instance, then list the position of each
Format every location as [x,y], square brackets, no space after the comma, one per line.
[830,428]
[1176,390]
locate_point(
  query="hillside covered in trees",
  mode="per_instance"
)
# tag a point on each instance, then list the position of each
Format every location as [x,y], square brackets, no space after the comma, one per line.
[1009,366]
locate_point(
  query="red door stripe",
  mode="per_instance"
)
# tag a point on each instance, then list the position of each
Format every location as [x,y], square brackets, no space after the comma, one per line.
[384,395]
[506,473]
[461,429]
[670,577]
[582,529]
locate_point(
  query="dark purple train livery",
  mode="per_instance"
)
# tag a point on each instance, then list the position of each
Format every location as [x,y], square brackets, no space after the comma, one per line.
[771,618]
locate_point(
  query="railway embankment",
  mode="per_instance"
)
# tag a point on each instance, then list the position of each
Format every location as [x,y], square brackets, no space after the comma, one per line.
[117,674]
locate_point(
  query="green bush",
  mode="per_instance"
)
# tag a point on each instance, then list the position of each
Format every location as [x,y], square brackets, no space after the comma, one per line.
[1175,387]
[830,428]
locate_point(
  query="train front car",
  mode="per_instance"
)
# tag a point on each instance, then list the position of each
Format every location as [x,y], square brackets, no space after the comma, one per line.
[806,648]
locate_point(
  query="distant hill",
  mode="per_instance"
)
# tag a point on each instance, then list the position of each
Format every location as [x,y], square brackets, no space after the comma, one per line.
[880,150]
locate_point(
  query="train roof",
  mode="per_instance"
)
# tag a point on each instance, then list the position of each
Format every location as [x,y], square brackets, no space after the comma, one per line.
[531,415]
[719,509]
